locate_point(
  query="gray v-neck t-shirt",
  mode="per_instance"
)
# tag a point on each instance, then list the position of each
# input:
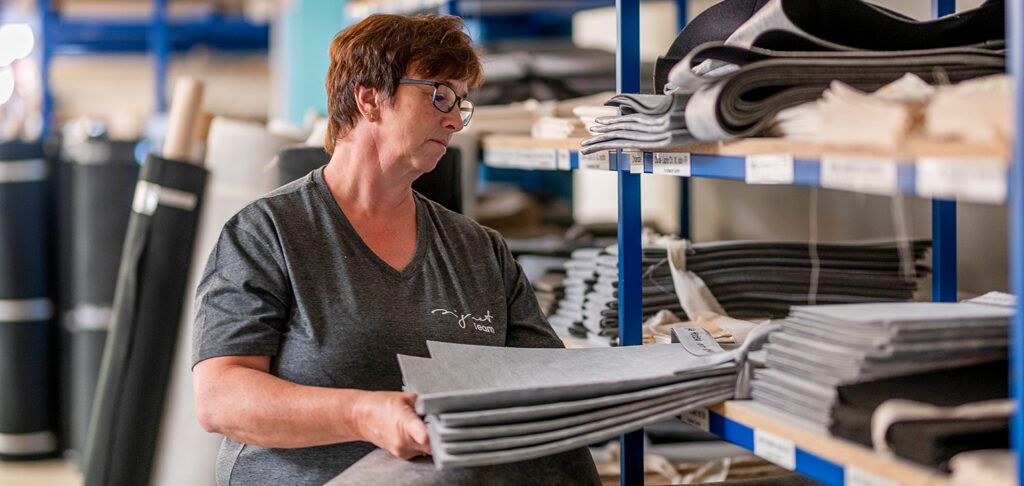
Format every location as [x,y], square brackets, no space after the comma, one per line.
[291,279]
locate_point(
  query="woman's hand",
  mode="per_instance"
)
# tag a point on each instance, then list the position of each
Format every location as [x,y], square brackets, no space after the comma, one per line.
[389,421]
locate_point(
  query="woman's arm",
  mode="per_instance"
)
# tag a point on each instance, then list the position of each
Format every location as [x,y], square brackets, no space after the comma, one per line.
[237,396]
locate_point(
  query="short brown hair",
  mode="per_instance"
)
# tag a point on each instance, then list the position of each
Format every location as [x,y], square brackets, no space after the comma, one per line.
[379,50]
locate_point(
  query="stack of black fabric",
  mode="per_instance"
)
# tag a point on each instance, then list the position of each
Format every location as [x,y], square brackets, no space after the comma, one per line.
[758,279]
[743,61]
[833,366]
[601,310]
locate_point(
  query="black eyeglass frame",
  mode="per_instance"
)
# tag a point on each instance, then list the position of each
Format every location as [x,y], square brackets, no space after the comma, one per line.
[433,98]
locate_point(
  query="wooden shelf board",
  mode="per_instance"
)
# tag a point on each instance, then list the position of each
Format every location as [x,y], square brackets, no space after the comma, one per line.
[838,451]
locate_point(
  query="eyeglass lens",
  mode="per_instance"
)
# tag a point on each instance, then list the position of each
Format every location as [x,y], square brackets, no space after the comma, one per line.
[445,99]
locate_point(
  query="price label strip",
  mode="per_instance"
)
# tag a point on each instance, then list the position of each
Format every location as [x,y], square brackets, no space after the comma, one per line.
[564,160]
[676,164]
[775,449]
[698,418]
[871,175]
[855,476]
[597,160]
[636,162]
[769,169]
[981,180]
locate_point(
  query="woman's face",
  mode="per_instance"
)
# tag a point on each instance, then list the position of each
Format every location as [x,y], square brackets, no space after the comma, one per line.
[414,129]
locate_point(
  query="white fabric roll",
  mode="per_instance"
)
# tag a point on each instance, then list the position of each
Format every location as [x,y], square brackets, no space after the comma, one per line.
[238,155]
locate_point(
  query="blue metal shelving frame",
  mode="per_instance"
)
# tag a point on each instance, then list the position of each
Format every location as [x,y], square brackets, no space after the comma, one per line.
[159,35]
[1015,30]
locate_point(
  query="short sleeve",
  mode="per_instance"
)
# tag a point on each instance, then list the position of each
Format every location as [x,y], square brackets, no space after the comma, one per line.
[243,298]
[527,326]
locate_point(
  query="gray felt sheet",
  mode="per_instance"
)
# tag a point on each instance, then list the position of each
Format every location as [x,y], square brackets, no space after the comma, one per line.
[465,377]
[381,468]
[716,385]
[518,441]
[515,415]
[445,460]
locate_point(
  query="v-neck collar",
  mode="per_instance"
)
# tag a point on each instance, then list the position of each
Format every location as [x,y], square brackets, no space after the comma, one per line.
[421,227]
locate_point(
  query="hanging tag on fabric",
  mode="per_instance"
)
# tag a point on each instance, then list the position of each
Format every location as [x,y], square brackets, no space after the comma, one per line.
[698,418]
[769,169]
[696,340]
[677,164]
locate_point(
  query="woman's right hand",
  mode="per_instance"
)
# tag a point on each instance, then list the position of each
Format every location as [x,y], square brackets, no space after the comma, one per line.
[389,421]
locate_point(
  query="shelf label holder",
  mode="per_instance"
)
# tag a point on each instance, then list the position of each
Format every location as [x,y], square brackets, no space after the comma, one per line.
[769,169]
[871,175]
[671,163]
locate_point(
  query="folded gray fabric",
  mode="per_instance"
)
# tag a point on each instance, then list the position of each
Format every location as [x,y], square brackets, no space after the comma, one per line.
[445,460]
[380,467]
[639,122]
[647,104]
[626,414]
[636,140]
[504,377]
[519,415]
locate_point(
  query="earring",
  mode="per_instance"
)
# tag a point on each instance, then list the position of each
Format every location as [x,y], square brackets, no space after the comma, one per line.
[373,116]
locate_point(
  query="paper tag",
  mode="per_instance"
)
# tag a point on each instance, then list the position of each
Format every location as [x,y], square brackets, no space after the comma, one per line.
[544,159]
[636,162]
[769,169]
[860,174]
[677,164]
[496,156]
[597,160]
[979,180]
[855,476]
[698,418]
[564,159]
[696,340]
[776,449]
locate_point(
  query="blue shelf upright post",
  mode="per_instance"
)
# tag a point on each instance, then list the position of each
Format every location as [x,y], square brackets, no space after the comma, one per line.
[943,251]
[160,48]
[1015,30]
[943,219]
[46,25]
[627,59]
[449,7]
[682,16]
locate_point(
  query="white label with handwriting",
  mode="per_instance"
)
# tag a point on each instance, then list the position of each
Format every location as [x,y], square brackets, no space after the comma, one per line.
[776,449]
[769,169]
[596,160]
[564,160]
[545,159]
[677,164]
[978,180]
[636,162]
[855,476]
[871,175]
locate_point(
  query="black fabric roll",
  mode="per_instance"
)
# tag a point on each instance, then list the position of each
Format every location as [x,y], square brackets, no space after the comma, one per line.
[103,176]
[26,337]
[295,162]
[934,442]
[147,305]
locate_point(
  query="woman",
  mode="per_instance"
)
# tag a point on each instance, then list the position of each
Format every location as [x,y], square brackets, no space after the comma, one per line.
[313,290]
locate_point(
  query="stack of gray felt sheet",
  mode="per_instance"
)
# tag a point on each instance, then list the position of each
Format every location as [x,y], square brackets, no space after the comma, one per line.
[489,405]
[824,347]
[580,277]
[781,56]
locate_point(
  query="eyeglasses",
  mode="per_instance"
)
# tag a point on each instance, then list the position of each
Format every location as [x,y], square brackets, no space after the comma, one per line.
[445,99]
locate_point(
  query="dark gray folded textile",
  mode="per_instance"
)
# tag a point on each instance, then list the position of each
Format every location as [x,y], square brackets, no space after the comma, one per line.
[934,442]
[380,467]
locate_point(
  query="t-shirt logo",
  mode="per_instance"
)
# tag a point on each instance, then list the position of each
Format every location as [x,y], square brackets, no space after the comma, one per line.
[475,321]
